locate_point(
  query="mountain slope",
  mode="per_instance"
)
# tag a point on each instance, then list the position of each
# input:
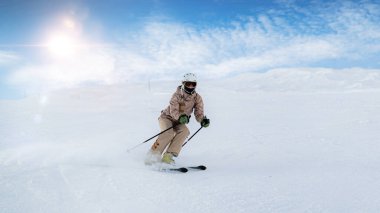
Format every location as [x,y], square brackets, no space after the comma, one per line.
[268,149]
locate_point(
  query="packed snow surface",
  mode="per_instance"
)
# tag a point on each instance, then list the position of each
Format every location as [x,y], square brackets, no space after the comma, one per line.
[301,141]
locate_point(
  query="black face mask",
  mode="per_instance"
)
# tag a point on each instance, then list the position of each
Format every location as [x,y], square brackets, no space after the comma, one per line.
[188,90]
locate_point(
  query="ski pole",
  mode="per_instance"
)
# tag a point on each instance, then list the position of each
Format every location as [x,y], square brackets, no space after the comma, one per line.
[192,136]
[128,150]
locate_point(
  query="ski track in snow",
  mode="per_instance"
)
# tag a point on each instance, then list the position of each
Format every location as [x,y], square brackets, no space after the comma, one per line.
[266,151]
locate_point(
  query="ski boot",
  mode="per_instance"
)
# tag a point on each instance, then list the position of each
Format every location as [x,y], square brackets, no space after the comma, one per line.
[168,158]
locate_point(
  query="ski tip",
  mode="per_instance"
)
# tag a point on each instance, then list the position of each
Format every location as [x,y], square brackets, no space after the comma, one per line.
[201,167]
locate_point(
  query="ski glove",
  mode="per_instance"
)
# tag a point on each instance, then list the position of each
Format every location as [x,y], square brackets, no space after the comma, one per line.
[183,119]
[205,122]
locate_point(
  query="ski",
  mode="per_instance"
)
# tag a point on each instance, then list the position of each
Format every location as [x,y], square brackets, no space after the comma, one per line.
[186,169]
[200,167]
[181,169]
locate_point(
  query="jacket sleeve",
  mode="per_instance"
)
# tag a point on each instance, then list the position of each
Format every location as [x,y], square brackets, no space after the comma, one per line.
[174,107]
[198,108]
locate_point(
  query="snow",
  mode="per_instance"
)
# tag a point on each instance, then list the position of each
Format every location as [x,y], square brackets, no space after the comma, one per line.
[282,141]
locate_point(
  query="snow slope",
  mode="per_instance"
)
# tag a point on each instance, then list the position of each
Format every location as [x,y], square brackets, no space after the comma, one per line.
[300,141]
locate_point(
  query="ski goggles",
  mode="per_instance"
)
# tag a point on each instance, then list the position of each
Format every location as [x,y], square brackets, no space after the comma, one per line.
[189,83]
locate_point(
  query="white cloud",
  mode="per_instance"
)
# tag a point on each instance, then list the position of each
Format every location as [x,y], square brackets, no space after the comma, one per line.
[94,66]
[7,57]
[273,39]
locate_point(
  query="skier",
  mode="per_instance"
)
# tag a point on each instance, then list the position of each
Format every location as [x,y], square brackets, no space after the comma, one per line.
[182,104]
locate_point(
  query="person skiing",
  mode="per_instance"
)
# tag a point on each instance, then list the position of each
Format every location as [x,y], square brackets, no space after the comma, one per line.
[182,104]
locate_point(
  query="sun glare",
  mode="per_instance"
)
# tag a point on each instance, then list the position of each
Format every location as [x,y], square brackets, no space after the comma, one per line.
[62,45]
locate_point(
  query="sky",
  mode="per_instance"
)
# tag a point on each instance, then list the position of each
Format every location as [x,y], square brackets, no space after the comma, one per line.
[53,44]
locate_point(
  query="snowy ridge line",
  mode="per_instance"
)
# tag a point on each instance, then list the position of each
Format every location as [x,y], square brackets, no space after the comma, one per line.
[304,80]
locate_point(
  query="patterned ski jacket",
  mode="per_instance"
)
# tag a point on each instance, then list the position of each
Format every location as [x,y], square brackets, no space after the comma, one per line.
[183,103]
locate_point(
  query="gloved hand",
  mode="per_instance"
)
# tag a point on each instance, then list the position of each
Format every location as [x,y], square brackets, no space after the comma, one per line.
[205,122]
[183,119]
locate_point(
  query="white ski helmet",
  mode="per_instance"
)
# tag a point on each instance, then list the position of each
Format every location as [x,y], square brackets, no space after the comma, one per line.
[189,77]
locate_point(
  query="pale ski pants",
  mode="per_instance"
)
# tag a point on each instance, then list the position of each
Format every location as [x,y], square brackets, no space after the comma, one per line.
[172,139]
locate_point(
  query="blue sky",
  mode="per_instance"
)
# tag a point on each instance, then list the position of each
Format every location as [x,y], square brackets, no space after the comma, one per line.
[48,44]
